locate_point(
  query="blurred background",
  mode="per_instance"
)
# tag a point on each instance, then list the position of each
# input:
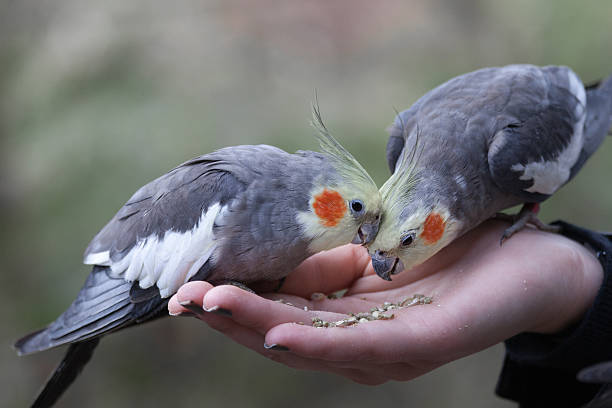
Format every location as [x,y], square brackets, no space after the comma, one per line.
[97,100]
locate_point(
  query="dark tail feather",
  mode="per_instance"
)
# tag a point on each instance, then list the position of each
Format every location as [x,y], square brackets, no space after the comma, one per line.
[66,372]
[105,304]
[599,114]
[598,119]
[31,342]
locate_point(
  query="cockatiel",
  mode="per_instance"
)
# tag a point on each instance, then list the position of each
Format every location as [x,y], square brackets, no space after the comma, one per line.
[480,143]
[240,214]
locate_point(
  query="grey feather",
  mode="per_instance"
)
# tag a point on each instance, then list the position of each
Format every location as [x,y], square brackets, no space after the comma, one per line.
[263,187]
[174,201]
[598,120]
[257,192]
[475,127]
[103,304]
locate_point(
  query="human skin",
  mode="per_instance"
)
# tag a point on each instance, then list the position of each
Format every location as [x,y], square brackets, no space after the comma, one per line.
[482,294]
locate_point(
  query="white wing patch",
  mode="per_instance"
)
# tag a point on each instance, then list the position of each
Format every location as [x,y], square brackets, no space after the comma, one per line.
[169,261]
[548,176]
[99,258]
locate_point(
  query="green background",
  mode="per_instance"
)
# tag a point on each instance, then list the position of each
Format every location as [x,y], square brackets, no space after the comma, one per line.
[98,99]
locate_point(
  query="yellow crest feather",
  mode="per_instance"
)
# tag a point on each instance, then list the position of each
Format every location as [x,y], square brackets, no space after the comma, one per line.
[343,161]
[396,190]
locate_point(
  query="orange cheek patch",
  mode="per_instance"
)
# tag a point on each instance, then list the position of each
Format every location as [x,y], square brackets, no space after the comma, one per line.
[329,207]
[433,228]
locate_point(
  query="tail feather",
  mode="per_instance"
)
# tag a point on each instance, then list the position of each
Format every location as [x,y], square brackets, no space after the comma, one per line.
[599,114]
[94,321]
[32,342]
[116,320]
[598,120]
[102,305]
[65,373]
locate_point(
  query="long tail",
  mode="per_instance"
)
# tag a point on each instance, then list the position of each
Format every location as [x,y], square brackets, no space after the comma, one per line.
[66,372]
[105,304]
[598,119]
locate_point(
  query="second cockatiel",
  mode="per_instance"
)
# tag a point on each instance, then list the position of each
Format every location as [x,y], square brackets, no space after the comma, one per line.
[241,214]
[480,143]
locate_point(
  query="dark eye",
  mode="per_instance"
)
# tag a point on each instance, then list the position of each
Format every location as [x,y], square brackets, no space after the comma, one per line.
[407,239]
[357,206]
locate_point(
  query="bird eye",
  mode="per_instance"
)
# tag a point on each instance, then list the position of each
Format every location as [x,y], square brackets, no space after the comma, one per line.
[357,206]
[407,239]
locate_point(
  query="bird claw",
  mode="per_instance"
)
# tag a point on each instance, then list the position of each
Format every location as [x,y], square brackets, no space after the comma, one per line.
[527,215]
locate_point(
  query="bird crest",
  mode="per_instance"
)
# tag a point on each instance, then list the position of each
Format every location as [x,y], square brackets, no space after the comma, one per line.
[397,189]
[343,161]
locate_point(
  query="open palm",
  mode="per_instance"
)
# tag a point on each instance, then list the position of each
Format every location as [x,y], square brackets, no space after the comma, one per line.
[482,294]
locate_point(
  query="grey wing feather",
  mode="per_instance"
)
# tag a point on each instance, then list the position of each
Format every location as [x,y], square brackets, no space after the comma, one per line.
[541,122]
[599,373]
[174,201]
[102,304]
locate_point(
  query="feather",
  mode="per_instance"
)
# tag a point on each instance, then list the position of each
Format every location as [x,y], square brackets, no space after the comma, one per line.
[343,161]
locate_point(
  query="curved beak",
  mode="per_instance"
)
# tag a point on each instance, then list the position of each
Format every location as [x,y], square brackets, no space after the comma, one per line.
[385,265]
[366,233]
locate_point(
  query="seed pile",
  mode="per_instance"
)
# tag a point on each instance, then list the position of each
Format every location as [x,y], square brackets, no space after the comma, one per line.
[376,313]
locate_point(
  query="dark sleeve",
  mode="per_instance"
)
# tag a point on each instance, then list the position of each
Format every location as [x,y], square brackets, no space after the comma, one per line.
[540,370]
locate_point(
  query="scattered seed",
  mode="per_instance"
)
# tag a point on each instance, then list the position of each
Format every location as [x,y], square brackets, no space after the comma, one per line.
[284,302]
[317,296]
[375,313]
[337,294]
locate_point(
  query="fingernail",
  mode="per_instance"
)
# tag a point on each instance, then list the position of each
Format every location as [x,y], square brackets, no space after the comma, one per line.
[188,304]
[183,314]
[218,310]
[276,347]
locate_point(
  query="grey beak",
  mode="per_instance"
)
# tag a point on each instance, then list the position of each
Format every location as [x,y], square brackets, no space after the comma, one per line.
[385,266]
[366,233]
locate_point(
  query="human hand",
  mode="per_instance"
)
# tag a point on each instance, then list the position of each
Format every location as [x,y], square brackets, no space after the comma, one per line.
[482,294]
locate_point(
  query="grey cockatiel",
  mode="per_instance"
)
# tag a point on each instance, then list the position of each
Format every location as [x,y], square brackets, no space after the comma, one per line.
[243,214]
[478,144]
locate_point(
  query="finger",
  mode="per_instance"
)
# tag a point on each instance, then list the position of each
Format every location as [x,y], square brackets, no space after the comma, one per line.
[255,341]
[344,305]
[371,282]
[328,271]
[375,341]
[190,292]
[374,374]
[258,313]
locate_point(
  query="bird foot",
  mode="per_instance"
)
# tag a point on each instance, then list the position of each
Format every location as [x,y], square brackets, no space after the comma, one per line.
[527,215]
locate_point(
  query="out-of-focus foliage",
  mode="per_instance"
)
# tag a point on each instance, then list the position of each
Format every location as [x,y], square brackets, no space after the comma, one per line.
[97,99]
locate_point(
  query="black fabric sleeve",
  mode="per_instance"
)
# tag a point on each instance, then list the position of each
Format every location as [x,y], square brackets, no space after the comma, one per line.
[540,370]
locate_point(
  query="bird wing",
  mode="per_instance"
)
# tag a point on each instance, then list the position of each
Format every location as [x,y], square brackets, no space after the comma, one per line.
[162,236]
[538,136]
[164,233]
[102,305]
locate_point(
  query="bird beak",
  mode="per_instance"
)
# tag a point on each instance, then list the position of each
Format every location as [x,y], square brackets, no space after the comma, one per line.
[385,266]
[366,233]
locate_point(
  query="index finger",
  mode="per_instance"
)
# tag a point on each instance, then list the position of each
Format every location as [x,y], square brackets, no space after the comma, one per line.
[328,271]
